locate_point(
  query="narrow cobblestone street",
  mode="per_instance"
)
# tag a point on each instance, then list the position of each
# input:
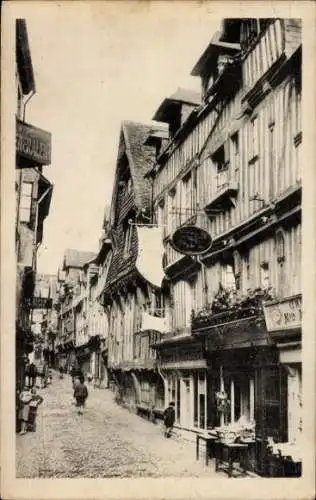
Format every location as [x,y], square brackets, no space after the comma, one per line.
[106,441]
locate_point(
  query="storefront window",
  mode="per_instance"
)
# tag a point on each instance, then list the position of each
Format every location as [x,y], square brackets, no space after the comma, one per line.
[280,254]
[145,392]
[199,387]
[195,393]
[240,389]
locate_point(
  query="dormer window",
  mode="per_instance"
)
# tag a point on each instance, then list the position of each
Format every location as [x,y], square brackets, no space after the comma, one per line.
[129,185]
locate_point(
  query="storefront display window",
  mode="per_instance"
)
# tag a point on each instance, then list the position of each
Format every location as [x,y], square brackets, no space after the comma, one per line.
[174,394]
[199,387]
[240,389]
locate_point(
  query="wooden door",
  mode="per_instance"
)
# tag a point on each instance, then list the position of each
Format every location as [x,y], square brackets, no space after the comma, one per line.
[270,409]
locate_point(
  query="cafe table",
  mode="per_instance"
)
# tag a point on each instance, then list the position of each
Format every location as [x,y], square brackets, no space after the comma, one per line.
[209,443]
[234,452]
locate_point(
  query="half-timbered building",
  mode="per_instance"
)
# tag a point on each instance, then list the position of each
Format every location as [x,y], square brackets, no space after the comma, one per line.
[132,298]
[72,308]
[233,169]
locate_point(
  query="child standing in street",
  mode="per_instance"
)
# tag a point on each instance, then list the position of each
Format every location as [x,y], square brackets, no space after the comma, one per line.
[80,395]
[34,404]
[25,398]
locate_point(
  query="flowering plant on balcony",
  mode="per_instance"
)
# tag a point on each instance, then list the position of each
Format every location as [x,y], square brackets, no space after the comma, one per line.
[229,305]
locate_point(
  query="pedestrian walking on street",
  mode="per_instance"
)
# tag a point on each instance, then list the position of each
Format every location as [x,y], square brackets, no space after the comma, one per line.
[169,417]
[61,371]
[34,404]
[73,373]
[80,395]
[32,373]
[25,398]
[39,374]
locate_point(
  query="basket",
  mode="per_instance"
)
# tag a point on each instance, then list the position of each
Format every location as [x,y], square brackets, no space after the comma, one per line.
[227,437]
[247,434]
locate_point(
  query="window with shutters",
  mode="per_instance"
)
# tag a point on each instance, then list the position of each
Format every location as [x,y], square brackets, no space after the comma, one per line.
[280,246]
[298,130]
[253,139]
[26,201]
[228,277]
[234,156]
[237,269]
[162,217]
[272,169]
[246,283]
[172,214]
[280,255]
[187,206]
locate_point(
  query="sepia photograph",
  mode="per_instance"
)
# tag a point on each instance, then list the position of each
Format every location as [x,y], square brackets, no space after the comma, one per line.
[158,243]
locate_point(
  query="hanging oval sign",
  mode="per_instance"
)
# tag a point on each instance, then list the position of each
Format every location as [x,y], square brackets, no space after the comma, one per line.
[191,240]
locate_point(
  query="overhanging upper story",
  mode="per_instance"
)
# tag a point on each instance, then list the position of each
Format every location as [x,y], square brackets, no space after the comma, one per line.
[235,161]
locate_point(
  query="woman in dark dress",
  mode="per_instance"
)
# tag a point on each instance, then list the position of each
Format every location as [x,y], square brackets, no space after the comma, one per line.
[169,418]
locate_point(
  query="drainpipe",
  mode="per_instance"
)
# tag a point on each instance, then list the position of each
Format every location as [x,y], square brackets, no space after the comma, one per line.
[164,379]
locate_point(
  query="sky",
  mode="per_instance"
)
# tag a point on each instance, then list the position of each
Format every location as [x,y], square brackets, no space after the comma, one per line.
[96,64]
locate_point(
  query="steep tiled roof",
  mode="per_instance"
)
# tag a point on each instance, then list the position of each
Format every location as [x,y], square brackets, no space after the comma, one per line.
[77,258]
[180,97]
[141,157]
[186,96]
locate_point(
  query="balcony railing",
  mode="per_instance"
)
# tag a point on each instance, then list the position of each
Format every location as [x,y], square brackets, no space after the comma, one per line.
[229,306]
[200,322]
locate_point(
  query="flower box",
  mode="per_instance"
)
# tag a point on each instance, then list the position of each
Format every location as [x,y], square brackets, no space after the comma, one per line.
[230,306]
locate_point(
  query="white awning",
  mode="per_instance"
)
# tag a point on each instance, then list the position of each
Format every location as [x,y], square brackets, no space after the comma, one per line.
[150,253]
[150,322]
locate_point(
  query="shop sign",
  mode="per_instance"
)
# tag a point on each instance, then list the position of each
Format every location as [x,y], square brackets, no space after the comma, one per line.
[39,303]
[33,143]
[191,240]
[284,315]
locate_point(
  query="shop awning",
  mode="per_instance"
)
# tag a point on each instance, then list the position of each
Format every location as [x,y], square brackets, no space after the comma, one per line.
[177,339]
[150,253]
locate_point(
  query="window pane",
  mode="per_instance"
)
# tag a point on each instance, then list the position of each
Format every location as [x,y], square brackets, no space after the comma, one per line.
[26,189]
[24,215]
[26,203]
